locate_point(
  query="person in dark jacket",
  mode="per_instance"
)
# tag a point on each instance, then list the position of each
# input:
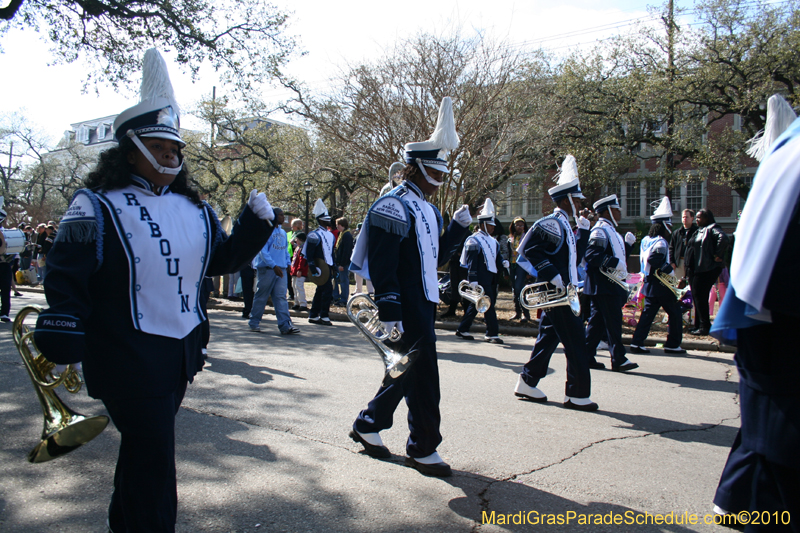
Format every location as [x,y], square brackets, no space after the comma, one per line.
[319,246]
[400,248]
[554,252]
[123,285]
[342,251]
[655,257]
[704,262]
[606,250]
[679,242]
[484,263]
[760,315]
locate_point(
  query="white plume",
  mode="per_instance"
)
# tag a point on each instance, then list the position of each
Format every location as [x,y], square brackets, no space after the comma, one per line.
[445,136]
[155,79]
[779,117]
[569,170]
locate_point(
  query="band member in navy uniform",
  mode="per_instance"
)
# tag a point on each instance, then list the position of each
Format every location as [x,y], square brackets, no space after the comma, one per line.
[319,245]
[123,284]
[554,252]
[760,316]
[606,250]
[481,257]
[399,249]
[655,258]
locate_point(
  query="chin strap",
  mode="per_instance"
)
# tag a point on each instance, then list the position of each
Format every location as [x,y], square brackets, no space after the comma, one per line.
[430,179]
[611,217]
[572,205]
[142,148]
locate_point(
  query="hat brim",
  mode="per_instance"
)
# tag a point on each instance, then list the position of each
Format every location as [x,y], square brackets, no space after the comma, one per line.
[164,135]
[441,167]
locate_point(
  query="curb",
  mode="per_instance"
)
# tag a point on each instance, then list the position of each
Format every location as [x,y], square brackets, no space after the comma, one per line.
[704,346]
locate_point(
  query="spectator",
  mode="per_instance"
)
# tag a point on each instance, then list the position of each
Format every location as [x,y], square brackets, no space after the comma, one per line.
[299,272]
[679,242]
[519,277]
[341,256]
[296,226]
[273,272]
[704,262]
[360,280]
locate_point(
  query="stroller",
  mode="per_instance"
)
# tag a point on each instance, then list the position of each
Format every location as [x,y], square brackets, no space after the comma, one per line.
[634,305]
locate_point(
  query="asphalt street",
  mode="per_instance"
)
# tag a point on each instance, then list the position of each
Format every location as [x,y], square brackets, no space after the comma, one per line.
[262,442]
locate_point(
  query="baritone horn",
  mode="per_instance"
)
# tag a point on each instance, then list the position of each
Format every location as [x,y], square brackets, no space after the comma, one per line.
[618,276]
[475,295]
[538,296]
[363,312]
[64,429]
[672,283]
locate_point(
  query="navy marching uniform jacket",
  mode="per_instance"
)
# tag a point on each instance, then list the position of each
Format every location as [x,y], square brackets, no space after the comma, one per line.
[547,249]
[600,254]
[477,269]
[657,260]
[89,289]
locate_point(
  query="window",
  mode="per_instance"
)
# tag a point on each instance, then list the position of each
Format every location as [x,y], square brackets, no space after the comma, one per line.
[515,199]
[533,197]
[652,196]
[632,203]
[694,195]
[748,181]
[614,189]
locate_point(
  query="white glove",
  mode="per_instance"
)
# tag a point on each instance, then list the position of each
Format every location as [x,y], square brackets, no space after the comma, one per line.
[557,281]
[391,325]
[583,223]
[506,264]
[462,216]
[473,284]
[260,206]
[630,238]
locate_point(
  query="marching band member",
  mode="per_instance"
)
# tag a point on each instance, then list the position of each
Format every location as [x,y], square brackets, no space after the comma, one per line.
[759,315]
[399,249]
[554,252]
[655,257]
[481,257]
[123,282]
[606,249]
[319,245]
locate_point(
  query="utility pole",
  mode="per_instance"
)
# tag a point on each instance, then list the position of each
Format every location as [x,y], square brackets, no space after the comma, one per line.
[213,111]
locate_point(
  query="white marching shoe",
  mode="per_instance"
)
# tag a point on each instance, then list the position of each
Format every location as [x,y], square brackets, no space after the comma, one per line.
[523,390]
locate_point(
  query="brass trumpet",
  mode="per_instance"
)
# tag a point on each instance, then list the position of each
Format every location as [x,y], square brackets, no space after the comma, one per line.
[64,429]
[476,296]
[618,276]
[533,297]
[672,283]
[363,312]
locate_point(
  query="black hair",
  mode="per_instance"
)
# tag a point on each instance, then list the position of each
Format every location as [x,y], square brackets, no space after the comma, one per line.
[113,171]
[708,215]
[300,236]
[659,229]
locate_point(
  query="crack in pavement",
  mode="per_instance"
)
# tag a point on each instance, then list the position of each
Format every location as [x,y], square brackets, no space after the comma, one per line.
[484,504]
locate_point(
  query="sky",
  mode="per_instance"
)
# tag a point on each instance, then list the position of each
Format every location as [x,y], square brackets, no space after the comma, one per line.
[332,35]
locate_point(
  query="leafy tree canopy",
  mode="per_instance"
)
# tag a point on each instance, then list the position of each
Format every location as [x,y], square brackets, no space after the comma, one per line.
[241,39]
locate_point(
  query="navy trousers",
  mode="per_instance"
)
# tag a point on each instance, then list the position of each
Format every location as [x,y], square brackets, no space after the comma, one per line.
[734,489]
[558,324]
[420,388]
[248,277]
[492,327]
[145,497]
[651,306]
[5,289]
[606,317]
[321,304]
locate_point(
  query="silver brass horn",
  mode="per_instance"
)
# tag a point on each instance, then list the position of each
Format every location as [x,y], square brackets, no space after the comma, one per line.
[618,276]
[476,296]
[363,312]
[672,283]
[537,296]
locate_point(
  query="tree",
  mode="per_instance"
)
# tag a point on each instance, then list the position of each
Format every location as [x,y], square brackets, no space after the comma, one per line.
[242,39]
[500,100]
[41,183]
[247,151]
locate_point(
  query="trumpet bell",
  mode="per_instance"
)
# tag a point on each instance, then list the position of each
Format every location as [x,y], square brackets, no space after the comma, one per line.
[475,295]
[64,429]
